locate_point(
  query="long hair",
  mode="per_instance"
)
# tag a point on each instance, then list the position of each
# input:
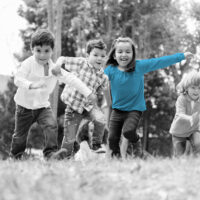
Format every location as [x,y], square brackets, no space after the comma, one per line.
[188,79]
[112,61]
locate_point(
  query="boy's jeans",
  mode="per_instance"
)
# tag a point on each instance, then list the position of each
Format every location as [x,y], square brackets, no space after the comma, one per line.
[71,125]
[24,118]
[122,122]
[179,143]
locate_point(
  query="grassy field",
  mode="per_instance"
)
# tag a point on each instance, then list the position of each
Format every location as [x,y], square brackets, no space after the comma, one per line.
[153,179]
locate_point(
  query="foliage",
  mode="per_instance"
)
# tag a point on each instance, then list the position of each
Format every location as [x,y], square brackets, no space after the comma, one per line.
[7,110]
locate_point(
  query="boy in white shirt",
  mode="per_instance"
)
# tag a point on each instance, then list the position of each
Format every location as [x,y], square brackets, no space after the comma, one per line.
[35,84]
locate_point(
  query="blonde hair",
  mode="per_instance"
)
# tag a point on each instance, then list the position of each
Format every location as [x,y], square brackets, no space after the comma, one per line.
[188,79]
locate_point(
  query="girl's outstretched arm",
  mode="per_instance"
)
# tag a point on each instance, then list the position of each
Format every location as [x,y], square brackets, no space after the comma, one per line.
[148,65]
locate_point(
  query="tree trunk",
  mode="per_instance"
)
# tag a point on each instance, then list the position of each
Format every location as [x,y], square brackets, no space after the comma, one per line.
[50,15]
[57,49]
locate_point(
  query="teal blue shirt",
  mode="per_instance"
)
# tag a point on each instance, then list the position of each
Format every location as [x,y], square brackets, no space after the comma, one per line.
[127,88]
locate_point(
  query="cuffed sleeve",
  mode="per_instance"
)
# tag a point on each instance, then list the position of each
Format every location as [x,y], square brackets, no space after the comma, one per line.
[73,81]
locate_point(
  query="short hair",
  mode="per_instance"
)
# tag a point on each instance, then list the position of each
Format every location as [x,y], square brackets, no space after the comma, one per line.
[42,37]
[188,79]
[98,43]
[111,59]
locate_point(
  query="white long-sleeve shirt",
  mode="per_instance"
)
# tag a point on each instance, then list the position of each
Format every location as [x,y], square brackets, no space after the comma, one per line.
[29,72]
[186,120]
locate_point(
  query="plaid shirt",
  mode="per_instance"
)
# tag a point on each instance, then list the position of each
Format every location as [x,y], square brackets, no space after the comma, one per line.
[95,80]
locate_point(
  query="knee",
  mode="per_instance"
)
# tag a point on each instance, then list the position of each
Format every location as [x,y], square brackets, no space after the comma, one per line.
[131,136]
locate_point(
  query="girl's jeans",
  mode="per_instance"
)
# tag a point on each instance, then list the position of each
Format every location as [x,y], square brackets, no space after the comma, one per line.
[179,143]
[71,124]
[24,118]
[122,122]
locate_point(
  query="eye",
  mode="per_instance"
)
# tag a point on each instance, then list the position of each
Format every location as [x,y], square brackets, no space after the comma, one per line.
[38,50]
[47,51]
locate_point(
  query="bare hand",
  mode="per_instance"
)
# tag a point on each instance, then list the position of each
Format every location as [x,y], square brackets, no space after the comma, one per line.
[37,85]
[188,55]
[56,71]
[92,98]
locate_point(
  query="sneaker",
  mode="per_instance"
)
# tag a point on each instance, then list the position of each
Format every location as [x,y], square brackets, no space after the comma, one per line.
[58,155]
[100,149]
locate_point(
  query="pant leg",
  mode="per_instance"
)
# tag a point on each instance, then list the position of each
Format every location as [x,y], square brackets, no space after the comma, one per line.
[130,126]
[23,121]
[115,128]
[179,145]
[71,123]
[99,126]
[48,123]
[195,142]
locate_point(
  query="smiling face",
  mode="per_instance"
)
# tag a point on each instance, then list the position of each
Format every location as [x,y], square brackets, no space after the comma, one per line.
[123,54]
[42,53]
[194,92]
[97,58]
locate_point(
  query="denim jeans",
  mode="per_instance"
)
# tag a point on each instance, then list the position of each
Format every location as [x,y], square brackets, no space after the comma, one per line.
[71,124]
[179,144]
[24,118]
[122,122]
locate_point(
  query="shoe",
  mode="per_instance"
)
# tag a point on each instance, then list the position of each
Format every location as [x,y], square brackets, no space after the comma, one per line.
[58,155]
[100,149]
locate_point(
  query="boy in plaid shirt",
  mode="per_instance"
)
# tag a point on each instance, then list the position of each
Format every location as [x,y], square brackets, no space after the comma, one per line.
[90,71]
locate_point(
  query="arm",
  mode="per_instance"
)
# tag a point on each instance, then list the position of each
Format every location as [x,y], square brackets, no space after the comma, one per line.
[108,98]
[181,113]
[70,63]
[183,123]
[73,81]
[21,80]
[148,65]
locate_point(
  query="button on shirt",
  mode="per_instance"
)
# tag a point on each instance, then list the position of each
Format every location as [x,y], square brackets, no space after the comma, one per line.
[94,79]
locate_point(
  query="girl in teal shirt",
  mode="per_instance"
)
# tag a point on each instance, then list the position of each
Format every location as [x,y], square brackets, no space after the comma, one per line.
[126,76]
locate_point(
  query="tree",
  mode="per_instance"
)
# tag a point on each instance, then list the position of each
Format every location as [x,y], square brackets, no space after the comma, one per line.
[7,120]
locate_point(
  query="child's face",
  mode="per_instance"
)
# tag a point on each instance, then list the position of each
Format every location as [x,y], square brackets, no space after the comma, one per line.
[97,58]
[123,54]
[42,53]
[194,92]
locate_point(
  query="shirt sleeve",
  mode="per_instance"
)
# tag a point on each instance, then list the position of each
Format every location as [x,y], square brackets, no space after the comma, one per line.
[73,81]
[72,64]
[21,75]
[182,122]
[107,72]
[148,65]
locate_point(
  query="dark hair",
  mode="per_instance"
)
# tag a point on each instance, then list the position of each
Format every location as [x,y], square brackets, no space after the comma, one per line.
[112,61]
[95,44]
[42,37]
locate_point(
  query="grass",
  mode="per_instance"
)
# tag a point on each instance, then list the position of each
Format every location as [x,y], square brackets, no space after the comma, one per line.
[153,179]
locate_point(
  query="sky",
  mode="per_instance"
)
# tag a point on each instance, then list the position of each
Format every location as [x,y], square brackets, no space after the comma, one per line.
[10,23]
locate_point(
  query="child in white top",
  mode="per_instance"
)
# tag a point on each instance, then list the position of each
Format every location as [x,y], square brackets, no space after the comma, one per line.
[35,84]
[185,125]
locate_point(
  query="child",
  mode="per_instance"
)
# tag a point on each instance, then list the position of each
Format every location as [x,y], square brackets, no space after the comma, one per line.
[90,71]
[185,125]
[126,77]
[32,96]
